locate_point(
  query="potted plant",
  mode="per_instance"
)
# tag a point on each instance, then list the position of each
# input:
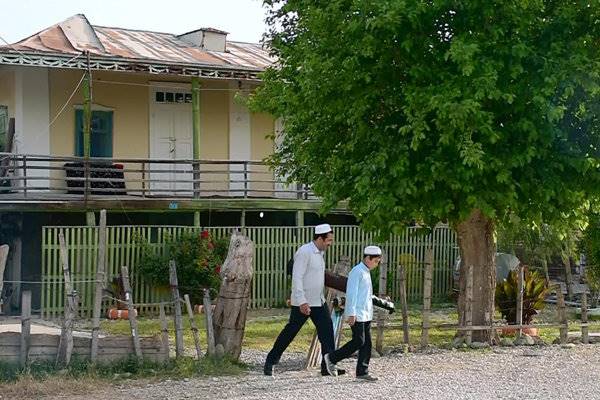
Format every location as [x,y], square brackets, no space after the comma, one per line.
[535,290]
[117,292]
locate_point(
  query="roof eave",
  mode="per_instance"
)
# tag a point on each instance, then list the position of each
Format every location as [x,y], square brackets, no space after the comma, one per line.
[101,63]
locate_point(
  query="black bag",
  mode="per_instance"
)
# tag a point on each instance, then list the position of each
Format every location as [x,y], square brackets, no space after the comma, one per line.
[289,267]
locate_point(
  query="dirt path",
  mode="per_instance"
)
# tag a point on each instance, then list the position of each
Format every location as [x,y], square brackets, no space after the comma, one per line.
[507,373]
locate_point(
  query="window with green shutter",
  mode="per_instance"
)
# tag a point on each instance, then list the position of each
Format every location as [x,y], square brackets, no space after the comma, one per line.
[101,141]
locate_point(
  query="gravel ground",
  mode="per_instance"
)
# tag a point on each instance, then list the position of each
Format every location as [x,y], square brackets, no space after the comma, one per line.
[501,373]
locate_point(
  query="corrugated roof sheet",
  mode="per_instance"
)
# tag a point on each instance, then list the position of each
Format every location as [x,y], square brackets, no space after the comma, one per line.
[76,34]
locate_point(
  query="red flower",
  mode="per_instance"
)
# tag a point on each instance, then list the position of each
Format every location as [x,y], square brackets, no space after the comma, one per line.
[218,269]
[204,234]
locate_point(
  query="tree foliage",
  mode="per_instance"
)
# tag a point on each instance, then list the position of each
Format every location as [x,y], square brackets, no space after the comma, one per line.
[419,109]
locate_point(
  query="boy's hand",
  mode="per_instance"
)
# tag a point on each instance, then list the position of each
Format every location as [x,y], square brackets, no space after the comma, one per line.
[351,320]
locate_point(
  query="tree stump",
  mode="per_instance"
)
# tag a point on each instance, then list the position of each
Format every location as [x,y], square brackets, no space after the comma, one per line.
[229,318]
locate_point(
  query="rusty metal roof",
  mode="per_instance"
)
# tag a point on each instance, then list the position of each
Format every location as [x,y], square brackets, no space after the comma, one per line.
[76,35]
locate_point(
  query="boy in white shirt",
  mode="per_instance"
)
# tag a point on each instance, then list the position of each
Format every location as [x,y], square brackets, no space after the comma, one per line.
[359,311]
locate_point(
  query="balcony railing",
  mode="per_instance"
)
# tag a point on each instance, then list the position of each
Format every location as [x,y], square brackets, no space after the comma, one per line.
[38,177]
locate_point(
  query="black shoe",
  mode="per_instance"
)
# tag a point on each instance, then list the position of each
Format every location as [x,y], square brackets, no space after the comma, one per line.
[340,371]
[367,377]
[268,369]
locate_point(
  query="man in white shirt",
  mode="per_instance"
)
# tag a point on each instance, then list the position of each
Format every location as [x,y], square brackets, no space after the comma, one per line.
[308,283]
[359,310]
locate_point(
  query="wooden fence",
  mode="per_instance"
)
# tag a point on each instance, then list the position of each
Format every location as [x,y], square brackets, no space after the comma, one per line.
[274,247]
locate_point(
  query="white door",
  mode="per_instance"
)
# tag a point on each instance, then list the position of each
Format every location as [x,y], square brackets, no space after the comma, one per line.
[171,139]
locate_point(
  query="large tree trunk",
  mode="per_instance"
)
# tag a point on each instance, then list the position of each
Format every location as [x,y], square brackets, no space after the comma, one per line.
[232,304]
[477,248]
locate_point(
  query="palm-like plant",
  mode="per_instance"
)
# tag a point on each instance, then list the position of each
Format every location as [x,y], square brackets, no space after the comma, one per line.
[534,293]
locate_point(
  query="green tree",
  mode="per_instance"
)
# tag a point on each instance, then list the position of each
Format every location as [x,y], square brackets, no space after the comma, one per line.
[457,111]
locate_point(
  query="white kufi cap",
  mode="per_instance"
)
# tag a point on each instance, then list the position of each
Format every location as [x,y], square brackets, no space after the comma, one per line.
[372,251]
[322,229]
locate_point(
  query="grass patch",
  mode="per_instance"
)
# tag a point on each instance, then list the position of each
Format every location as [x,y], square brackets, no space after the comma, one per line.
[44,378]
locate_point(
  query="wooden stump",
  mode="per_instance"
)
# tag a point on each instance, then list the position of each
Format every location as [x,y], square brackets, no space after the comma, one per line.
[229,318]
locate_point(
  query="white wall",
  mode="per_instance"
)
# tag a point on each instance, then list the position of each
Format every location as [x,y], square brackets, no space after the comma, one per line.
[240,139]
[32,116]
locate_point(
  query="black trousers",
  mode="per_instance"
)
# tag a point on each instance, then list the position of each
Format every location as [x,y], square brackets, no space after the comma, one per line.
[361,341]
[320,316]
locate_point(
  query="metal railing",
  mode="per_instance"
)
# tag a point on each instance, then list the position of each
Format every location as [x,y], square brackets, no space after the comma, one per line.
[58,177]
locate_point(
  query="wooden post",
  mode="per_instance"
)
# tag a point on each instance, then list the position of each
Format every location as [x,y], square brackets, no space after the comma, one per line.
[90,218]
[25,326]
[87,113]
[381,314]
[190,312]
[404,304]
[210,332]
[164,330]
[196,134]
[3,257]
[519,315]
[87,126]
[65,346]
[562,315]
[131,312]
[585,338]
[469,304]
[229,319]
[427,296]
[196,218]
[179,350]
[100,282]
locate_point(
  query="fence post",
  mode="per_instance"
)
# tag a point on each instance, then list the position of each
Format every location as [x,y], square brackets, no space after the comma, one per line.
[427,296]
[65,346]
[210,332]
[469,304]
[562,315]
[164,329]
[131,313]
[179,350]
[25,326]
[585,339]
[24,176]
[245,179]
[188,305]
[380,314]
[519,315]
[100,280]
[404,304]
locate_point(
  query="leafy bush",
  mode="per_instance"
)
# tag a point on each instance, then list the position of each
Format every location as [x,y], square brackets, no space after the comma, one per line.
[198,257]
[534,293]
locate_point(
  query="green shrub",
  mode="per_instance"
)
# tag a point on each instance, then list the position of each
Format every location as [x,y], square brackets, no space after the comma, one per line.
[534,294]
[198,257]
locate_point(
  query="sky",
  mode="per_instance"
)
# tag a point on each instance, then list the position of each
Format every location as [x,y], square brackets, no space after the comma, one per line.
[243,19]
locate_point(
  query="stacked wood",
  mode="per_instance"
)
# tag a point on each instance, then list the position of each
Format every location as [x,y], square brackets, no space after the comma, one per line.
[229,319]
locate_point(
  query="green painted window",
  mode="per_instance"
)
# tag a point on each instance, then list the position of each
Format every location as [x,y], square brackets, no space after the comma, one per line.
[101,143]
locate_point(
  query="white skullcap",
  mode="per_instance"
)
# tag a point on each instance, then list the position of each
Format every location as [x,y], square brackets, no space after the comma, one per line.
[372,251]
[323,228]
